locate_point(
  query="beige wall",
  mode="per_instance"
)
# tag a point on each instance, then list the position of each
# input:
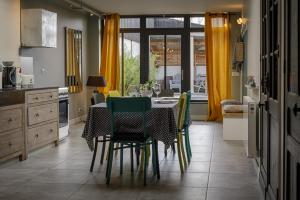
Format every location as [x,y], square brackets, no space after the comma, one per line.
[10,30]
[252,12]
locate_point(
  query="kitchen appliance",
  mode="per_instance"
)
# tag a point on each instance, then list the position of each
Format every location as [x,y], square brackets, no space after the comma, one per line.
[27,81]
[8,75]
[63,113]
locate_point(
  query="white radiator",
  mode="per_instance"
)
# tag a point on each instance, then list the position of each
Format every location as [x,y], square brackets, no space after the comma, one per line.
[252,126]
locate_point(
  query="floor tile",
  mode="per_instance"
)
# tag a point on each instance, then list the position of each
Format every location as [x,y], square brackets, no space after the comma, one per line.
[219,170]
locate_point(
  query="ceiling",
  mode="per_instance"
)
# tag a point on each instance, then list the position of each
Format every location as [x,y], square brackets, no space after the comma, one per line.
[144,7]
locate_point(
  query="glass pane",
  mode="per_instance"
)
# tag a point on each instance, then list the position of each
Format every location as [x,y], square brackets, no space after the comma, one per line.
[131,61]
[130,23]
[197,22]
[157,59]
[165,22]
[173,77]
[198,64]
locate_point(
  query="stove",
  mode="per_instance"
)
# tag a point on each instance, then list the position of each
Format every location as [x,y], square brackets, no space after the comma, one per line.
[63,96]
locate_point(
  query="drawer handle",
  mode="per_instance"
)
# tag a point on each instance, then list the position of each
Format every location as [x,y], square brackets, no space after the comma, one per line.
[37,135]
[37,114]
[51,96]
[51,130]
[36,98]
[51,111]
[10,120]
[10,144]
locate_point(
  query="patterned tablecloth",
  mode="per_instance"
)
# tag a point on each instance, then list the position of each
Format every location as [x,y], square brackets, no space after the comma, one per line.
[161,120]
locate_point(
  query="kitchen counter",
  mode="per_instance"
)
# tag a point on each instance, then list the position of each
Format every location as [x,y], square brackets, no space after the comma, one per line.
[12,96]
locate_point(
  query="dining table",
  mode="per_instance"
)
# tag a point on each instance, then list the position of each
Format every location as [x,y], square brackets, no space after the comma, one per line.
[161,122]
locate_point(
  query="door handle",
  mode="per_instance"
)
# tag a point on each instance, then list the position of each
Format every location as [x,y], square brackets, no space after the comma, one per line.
[296,109]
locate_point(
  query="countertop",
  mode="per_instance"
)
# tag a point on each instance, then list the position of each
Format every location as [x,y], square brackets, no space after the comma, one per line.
[26,89]
[12,96]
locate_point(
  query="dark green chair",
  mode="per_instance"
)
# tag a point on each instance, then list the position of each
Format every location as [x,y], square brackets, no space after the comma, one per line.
[125,108]
[186,126]
[96,99]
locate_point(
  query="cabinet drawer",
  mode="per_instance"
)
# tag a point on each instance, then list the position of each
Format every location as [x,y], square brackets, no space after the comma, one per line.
[42,135]
[41,97]
[11,142]
[42,113]
[10,119]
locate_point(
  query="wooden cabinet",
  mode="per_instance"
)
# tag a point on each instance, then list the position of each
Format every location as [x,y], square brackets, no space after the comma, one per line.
[41,135]
[30,124]
[12,138]
[42,118]
[42,113]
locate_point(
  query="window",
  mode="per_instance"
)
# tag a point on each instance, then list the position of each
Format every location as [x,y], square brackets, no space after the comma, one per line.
[130,23]
[198,64]
[165,22]
[165,61]
[197,22]
[130,60]
[168,49]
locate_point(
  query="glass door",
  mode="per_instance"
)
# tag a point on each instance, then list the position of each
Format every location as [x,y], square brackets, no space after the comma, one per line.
[165,58]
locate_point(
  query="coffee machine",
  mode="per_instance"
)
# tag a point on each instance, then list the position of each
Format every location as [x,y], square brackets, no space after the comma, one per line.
[8,75]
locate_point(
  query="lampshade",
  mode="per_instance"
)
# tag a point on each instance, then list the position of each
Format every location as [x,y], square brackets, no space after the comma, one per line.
[96,81]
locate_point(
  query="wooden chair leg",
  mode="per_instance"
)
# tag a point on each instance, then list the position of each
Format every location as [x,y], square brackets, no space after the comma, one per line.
[94,155]
[179,154]
[145,164]
[131,158]
[154,158]
[109,163]
[173,148]
[103,150]
[157,159]
[137,153]
[182,149]
[121,159]
[166,151]
[187,144]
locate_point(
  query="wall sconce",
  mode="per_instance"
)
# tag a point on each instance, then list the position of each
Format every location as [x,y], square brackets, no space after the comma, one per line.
[242,21]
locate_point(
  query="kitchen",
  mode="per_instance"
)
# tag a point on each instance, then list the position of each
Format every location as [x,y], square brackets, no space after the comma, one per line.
[34,64]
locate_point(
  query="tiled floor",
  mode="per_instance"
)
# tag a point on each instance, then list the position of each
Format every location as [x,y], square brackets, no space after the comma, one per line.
[219,171]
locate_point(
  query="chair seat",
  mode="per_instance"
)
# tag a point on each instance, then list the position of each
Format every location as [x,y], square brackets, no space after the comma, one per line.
[129,137]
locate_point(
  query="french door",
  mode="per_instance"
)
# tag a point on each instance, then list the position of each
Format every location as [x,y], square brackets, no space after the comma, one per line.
[270,99]
[165,60]
[292,101]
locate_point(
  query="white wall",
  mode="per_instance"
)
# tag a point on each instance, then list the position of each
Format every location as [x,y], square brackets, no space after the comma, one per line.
[10,30]
[252,12]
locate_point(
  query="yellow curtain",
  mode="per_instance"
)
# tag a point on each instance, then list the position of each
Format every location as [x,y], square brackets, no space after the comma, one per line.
[217,44]
[110,64]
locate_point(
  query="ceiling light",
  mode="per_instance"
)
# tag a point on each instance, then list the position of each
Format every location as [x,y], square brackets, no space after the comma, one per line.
[242,20]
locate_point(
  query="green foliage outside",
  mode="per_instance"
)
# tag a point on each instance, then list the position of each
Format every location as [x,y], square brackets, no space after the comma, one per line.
[132,70]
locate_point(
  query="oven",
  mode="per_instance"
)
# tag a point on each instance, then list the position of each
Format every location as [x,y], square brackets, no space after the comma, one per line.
[63,113]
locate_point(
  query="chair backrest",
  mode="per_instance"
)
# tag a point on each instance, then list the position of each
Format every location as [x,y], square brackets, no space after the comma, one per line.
[114,93]
[98,98]
[187,110]
[129,105]
[182,110]
[166,93]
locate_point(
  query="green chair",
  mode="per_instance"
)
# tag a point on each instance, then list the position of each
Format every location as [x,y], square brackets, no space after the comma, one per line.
[179,139]
[128,107]
[98,98]
[186,126]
